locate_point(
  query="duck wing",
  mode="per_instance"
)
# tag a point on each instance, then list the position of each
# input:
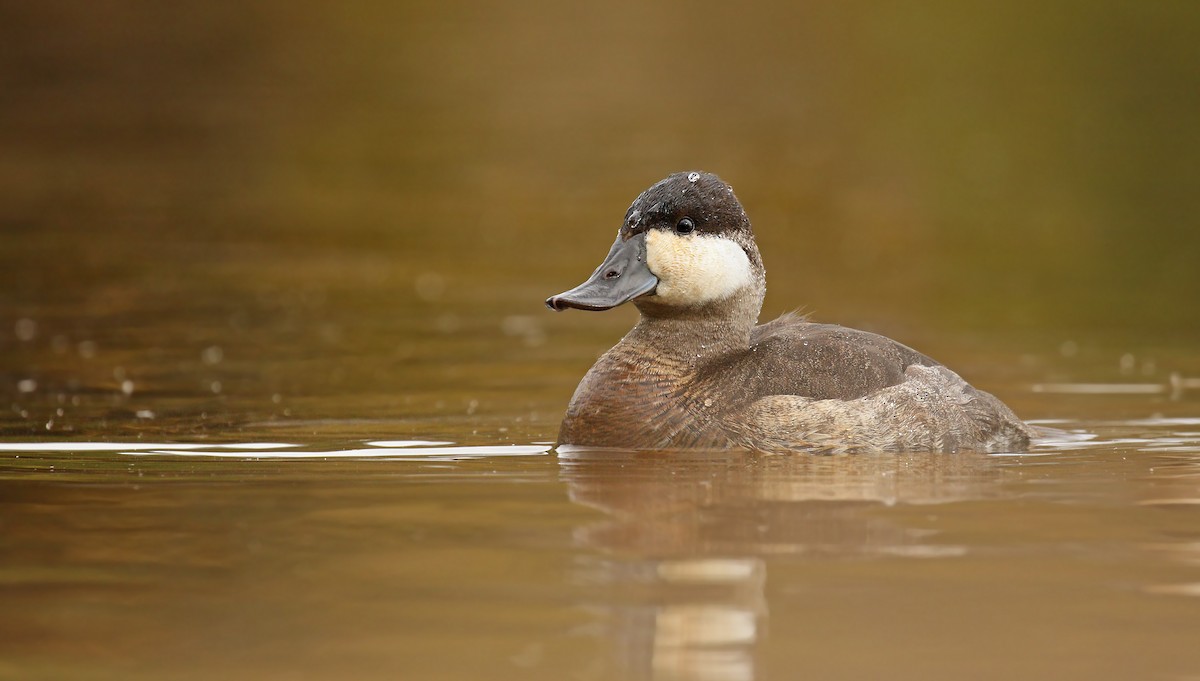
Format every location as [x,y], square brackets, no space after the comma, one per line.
[791,356]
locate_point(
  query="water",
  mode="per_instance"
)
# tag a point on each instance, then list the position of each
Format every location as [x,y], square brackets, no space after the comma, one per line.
[384,559]
[278,391]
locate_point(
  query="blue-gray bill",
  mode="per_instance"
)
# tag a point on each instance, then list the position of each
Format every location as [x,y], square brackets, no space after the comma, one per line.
[622,277]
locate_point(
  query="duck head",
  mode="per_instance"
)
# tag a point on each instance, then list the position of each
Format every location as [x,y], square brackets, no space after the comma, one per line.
[685,246]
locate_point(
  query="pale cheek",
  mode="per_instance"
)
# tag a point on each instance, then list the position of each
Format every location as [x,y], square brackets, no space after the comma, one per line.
[697,269]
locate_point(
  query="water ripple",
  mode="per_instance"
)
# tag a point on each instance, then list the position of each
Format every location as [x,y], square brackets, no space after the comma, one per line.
[390,450]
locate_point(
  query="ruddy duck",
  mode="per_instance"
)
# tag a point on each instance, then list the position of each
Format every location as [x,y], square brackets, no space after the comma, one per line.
[698,371]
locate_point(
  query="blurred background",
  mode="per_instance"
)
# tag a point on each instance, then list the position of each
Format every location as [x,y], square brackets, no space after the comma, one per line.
[221,214]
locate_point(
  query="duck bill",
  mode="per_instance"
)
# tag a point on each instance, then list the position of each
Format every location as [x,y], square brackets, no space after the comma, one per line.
[622,277]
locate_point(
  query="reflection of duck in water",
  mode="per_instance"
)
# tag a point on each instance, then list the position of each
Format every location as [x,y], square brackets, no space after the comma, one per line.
[679,608]
[697,372]
[673,504]
[676,569]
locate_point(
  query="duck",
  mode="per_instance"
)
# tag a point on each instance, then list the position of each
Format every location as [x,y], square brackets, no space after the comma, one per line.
[698,371]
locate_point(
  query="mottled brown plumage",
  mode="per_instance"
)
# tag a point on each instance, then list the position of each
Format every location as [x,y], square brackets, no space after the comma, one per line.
[701,374]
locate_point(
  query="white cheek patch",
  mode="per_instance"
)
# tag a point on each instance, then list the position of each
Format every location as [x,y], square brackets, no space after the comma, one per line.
[695,269]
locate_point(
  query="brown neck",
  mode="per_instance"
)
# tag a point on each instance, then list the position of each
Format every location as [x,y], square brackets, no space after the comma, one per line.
[690,334]
[620,402]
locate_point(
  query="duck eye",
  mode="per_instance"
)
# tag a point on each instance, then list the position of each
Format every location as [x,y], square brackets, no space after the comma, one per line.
[685,226]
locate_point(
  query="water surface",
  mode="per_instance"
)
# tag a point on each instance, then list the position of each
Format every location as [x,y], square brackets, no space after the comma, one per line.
[377,559]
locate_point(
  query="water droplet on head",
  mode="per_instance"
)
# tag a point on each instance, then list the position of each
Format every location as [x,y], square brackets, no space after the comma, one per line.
[693,176]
